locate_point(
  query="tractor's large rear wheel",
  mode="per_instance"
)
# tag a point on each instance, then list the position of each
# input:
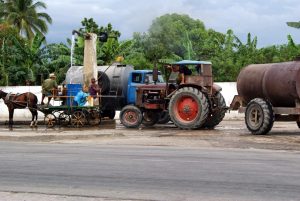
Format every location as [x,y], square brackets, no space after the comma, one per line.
[131,116]
[217,112]
[188,108]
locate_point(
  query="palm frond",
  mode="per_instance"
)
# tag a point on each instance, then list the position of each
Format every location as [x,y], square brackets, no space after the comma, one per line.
[294,24]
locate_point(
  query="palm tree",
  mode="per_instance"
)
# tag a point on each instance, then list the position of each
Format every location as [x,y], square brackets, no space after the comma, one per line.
[24,15]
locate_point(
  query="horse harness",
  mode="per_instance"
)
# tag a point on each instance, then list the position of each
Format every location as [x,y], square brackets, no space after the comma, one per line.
[11,99]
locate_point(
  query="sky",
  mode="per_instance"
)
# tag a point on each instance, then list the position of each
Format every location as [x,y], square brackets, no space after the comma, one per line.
[265,19]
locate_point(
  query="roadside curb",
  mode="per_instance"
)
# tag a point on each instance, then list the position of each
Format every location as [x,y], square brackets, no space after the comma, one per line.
[55,137]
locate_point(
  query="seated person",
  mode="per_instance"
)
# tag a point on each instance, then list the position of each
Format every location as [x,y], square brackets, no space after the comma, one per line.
[81,97]
[183,70]
[47,88]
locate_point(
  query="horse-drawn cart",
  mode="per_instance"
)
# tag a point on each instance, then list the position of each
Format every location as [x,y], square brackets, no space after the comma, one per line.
[63,115]
[76,116]
[68,113]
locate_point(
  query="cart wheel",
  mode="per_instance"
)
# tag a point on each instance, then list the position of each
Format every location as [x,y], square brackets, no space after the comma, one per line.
[64,119]
[94,118]
[78,119]
[50,120]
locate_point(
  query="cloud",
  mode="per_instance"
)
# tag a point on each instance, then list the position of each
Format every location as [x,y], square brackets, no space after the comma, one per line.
[265,19]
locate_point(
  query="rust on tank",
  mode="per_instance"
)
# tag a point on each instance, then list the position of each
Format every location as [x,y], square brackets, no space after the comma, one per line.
[278,83]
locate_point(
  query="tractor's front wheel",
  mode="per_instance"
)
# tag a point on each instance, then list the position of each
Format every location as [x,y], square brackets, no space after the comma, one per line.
[188,108]
[131,116]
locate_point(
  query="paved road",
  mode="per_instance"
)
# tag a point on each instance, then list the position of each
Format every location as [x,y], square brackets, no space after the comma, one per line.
[94,171]
[229,134]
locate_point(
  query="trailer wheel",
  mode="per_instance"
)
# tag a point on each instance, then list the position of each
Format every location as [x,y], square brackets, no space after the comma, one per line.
[259,116]
[50,120]
[78,119]
[150,118]
[164,117]
[131,116]
[217,115]
[188,108]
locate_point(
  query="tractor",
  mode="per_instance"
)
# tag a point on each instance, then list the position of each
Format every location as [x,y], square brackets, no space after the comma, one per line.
[196,103]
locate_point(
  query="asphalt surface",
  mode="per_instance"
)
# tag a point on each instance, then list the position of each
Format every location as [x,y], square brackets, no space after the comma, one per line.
[102,172]
[229,134]
[111,162]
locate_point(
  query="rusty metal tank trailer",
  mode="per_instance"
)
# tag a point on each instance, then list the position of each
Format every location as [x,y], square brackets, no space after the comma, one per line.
[268,93]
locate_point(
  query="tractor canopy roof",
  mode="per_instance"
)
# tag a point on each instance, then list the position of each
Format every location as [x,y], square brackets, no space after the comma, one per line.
[191,62]
[145,71]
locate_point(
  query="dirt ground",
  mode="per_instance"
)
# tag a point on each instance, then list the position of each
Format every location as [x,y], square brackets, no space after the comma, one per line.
[229,134]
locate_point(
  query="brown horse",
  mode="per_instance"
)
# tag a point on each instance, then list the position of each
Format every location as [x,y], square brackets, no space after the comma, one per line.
[20,101]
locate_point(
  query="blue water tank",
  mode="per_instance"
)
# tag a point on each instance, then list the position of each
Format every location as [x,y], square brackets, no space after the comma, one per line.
[72,90]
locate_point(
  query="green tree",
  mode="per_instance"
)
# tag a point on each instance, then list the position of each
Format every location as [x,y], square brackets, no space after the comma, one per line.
[289,51]
[173,35]
[32,54]
[224,62]
[56,59]
[106,52]
[1,5]
[11,57]
[24,15]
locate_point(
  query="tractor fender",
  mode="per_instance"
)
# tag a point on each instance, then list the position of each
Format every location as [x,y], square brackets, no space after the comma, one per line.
[216,88]
[201,88]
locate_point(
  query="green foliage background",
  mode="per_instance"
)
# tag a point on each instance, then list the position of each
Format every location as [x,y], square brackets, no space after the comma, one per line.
[171,36]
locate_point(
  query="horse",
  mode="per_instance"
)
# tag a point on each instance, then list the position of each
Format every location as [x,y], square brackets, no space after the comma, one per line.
[20,101]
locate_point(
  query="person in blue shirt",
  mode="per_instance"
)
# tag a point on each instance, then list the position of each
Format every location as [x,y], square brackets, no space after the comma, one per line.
[81,97]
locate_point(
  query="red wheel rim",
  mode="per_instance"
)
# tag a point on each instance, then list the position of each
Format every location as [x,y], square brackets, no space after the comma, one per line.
[187,108]
[131,117]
